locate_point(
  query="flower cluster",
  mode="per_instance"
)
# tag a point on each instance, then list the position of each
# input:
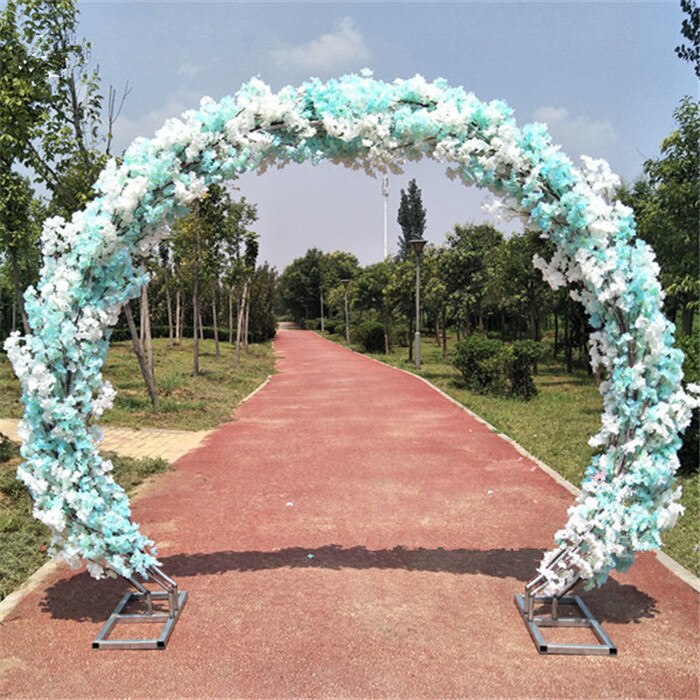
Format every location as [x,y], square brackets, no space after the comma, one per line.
[89,272]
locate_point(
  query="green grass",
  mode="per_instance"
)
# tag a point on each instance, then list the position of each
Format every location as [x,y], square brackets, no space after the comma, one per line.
[554,426]
[185,402]
[23,540]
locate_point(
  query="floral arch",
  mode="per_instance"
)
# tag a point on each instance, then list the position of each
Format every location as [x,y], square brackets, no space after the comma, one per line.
[88,273]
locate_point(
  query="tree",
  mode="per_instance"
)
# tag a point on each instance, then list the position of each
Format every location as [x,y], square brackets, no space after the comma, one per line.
[50,118]
[305,278]
[690,29]
[368,294]
[249,261]
[411,218]
[516,287]
[667,208]
[18,234]
[263,288]
[399,296]
[466,268]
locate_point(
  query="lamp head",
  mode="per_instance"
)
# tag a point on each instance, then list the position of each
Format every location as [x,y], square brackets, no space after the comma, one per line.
[417,244]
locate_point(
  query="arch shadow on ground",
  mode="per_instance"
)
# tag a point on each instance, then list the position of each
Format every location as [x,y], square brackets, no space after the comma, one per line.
[82,598]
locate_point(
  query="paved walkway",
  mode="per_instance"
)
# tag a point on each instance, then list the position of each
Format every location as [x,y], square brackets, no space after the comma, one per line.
[351,534]
[146,442]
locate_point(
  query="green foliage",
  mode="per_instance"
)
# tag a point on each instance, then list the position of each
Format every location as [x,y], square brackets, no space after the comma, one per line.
[481,362]
[263,289]
[314,274]
[332,326]
[522,355]
[370,336]
[690,29]
[467,267]
[490,366]
[666,203]
[411,218]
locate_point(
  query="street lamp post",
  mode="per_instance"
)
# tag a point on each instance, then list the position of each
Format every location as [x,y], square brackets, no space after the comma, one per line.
[345,284]
[385,195]
[417,244]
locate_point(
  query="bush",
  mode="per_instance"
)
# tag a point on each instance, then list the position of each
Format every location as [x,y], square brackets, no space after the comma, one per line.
[332,326]
[521,360]
[481,362]
[399,334]
[688,453]
[492,367]
[312,324]
[257,335]
[370,336]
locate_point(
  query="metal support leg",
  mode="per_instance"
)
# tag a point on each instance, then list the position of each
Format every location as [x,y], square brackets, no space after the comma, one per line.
[535,623]
[176,601]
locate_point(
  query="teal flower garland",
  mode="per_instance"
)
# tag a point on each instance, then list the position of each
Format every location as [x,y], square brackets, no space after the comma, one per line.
[88,273]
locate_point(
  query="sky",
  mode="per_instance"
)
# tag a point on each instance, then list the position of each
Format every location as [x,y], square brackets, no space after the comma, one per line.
[602,75]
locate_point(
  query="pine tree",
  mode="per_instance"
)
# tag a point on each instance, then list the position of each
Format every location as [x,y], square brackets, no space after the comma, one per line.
[411,218]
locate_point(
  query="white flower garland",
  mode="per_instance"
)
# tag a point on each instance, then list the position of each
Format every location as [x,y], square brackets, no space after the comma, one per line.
[88,274]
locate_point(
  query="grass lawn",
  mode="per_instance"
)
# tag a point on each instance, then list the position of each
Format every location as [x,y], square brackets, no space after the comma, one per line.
[554,426]
[23,539]
[185,402]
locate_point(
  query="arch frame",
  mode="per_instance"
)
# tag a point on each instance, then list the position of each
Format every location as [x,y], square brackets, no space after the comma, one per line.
[89,271]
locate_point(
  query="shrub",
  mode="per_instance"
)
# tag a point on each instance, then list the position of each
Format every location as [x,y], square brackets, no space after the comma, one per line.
[370,336]
[481,362]
[520,364]
[312,324]
[492,367]
[332,326]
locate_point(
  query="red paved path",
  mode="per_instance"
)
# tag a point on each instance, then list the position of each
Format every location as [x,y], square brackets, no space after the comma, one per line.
[392,574]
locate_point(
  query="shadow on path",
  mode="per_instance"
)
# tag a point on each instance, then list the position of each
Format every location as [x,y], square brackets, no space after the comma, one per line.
[82,598]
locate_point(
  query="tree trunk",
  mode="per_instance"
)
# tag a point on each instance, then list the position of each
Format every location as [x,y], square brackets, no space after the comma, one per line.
[239,322]
[146,324]
[217,352]
[444,331]
[195,312]
[246,323]
[556,334]
[568,349]
[169,307]
[230,316]
[534,322]
[386,341]
[142,318]
[686,322]
[178,317]
[19,300]
[138,349]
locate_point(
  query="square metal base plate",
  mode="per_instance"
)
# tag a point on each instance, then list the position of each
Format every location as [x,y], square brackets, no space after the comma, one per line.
[102,641]
[605,648]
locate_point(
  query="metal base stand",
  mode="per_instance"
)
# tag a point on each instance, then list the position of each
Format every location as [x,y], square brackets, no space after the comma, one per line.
[534,623]
[176,602]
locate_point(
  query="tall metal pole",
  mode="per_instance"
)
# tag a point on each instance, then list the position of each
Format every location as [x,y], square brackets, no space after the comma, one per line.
[417,245]
[345,284]
[416,352]
[385,194]
[323,327]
